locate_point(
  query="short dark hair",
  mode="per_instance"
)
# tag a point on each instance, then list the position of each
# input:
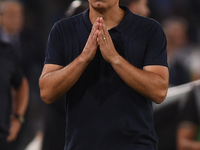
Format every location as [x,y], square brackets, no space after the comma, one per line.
[127,2]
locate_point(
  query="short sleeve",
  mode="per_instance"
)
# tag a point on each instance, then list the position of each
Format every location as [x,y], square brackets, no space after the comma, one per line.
[156,53]
[55,51]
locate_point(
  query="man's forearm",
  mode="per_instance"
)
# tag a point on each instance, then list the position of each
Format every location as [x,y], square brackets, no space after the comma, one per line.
[21,98]
[54,84]
[149,84]
[20,101]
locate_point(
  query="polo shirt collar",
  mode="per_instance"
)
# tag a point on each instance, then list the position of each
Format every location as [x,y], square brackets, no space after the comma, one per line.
[121,27]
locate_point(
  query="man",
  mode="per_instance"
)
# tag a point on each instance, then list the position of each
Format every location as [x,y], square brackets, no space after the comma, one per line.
[11,76]
[26,43]
[137,6]
[30,54]
[111,64]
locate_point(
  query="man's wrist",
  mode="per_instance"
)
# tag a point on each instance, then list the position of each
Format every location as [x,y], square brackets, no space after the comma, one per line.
[19,117]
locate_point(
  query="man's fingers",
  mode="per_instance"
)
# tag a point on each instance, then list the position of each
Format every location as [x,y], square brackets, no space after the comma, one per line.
[95,36]
[95,26]
[105,31]
[12,136]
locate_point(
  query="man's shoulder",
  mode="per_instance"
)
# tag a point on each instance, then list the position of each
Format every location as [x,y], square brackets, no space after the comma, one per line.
[145,20]
[71,21]
[146,25]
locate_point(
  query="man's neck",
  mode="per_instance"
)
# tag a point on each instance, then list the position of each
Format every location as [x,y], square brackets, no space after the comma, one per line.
[112,17]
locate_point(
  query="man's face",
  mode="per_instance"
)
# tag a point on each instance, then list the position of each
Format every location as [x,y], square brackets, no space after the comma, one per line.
[12,18]
[103,4]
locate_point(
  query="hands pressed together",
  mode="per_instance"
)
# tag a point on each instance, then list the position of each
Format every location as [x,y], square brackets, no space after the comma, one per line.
[100,36]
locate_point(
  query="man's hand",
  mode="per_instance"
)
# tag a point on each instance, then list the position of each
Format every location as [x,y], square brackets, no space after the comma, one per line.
[105,43]
[90,48]
[14,129]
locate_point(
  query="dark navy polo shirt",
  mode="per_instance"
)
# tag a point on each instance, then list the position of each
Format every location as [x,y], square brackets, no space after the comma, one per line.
[103,112]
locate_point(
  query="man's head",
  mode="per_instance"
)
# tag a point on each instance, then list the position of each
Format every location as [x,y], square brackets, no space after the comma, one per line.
[12,16]
[137,6]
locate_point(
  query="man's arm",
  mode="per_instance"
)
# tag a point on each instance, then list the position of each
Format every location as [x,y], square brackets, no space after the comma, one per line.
[56,80]
[186,135]
[20,101]
[152,81]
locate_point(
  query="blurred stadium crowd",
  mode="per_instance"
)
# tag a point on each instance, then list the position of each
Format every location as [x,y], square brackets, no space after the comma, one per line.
[26,26]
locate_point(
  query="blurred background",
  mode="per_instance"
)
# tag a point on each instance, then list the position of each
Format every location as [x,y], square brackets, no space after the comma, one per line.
[45,124]
[42,14]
